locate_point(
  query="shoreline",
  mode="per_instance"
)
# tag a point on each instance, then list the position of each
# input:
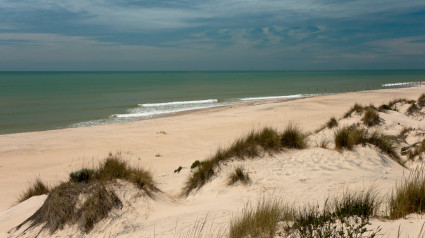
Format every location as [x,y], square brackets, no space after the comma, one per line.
[222,107]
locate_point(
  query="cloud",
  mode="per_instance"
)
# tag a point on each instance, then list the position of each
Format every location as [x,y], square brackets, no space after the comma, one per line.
[167,15]
[400,46]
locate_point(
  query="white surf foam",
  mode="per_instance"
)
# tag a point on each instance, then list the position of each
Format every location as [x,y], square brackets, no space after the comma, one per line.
[178,103]
[273,97]
[399,84]
[157,112]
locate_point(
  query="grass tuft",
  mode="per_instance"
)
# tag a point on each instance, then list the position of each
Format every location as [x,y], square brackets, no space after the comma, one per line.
[409,196]
[38,188]
[85,199]
[363,203]
[97,206]
[413,108]
[421,100]
[293,137]
[392,103]
[237,175]
[257,222]
[253,145]
[332,123]
[347,137]
[195,164]
[357,108]
[371,117]
[344,216]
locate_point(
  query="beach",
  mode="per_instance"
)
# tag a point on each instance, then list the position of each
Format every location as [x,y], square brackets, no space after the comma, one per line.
[163,144]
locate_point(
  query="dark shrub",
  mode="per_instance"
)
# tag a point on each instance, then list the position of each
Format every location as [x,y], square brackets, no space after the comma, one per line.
[80,176]
[371,117]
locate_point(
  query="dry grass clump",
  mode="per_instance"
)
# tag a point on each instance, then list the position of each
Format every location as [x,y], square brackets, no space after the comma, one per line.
[237,175]
[348,137]
[357,108]
[363,203]
[409,196]
[323,143]
[258,222]
[255,144]
[386,144]
[339,217]
[403,133]
[293,137]
[392,103]
[371,117]
[85,198]
[421,100]
[38,188]
[413,108]
[418,149]
[332,123]
[62,207]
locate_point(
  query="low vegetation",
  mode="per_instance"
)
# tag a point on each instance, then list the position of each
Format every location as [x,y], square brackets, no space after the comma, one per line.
[409,196]
[348,137]
[260,221]
[86,198]
[357,108]
[293,137]
[412,109]
[371,117]
[38,188]
[421,100]
[195,164]
[332,123]
[238,175]
[339,217]
[255,144]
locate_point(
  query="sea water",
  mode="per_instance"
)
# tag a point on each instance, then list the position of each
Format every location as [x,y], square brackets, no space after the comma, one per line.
[34,101]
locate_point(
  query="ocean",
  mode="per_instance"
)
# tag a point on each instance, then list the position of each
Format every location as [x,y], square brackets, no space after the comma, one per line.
[35,101]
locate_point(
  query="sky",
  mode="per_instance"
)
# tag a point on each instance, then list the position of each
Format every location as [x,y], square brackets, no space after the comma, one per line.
[211,34]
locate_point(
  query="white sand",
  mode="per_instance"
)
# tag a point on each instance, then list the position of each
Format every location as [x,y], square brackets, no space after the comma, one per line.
[294,176]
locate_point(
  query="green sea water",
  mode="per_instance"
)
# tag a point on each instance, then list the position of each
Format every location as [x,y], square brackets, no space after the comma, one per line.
[34,101]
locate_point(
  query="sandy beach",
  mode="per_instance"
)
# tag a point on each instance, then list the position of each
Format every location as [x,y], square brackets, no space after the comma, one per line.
[163,144]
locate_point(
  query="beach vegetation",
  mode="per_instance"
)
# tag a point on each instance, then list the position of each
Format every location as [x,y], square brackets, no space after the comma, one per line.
[412,109]
[343,216]
[392,103]
[87,197]
[178,169]
[348,137]
[386,144]
[403,133]
[371,117]
[36,189]
[83,175]
[238,175]
[293,137]
[421,97]
[254,144]
[414,150]
[384,107]
[409,196]
[332,123]
[195,164]
[357,108]
[421,100]
[260,221]
[323,143]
